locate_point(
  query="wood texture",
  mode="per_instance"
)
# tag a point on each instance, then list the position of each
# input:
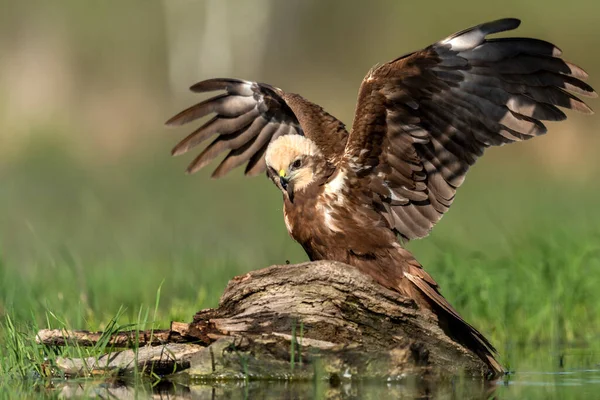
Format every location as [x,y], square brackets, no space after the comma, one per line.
[325,316]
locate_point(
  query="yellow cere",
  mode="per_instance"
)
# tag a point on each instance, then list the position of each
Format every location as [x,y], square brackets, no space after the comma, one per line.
[282,173]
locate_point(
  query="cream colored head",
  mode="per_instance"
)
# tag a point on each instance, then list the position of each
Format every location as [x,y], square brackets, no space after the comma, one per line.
[292,158]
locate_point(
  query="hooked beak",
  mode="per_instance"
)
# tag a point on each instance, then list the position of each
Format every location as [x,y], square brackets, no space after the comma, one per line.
[286,185]
[284,182]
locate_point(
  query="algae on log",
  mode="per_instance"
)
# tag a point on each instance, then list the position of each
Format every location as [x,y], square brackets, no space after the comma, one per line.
[295,321]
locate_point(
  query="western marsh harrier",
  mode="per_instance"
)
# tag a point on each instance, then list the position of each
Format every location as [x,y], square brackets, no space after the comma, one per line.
[421,121]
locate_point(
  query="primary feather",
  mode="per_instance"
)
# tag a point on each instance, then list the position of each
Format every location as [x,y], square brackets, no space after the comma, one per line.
[422,120]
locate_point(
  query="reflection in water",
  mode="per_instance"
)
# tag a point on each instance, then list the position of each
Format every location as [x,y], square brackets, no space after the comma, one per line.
[410,389]
[566,385]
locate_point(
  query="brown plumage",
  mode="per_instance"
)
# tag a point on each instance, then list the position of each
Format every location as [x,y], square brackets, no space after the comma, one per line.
[421,121]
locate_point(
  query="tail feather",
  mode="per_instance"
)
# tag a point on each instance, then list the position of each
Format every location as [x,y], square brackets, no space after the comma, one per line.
[466,334]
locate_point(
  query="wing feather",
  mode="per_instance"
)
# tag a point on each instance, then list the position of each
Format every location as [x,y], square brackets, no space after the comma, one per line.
[224,105]
[238,156]
[249,116]
[257,163]
[233,141]
[423,119]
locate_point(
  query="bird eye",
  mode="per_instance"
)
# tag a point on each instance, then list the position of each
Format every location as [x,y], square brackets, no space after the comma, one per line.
[296,164]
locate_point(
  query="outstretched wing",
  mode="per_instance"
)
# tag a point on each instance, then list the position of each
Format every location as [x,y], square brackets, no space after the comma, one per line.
[249,116]
[423,119]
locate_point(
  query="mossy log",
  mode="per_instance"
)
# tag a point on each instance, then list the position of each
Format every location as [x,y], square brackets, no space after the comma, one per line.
[290,322]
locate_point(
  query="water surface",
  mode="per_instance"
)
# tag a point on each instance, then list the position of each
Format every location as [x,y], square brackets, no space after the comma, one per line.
[566,374]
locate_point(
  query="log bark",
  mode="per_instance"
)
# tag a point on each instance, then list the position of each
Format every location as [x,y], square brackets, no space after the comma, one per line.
[128,339]
[295,321]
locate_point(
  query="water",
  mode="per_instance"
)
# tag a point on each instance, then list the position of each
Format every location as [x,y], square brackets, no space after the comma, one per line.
[578,384]
[564,375]
[563,385]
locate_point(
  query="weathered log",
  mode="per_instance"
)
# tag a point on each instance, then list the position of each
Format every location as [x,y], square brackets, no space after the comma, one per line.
[298,321]
[127,339]
[160,360]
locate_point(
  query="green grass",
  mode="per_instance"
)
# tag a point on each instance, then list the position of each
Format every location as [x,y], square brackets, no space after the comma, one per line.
[518,256]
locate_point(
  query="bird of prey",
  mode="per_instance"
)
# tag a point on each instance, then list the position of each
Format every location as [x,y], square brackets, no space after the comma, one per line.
[421,121]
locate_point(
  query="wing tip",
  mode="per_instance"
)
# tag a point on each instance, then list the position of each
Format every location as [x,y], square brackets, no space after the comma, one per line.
[176,120]
[219,172]
[500,25]
[178,150]
[173,122]
[253,173]
[230,85]
[472,37]
[210,85]
[576,71]
[556,51]
[192,169]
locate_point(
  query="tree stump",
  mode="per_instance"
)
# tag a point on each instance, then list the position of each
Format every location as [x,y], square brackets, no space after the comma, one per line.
[291,322]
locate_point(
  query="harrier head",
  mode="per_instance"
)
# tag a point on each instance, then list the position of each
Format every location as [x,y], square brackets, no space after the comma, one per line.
[292,162]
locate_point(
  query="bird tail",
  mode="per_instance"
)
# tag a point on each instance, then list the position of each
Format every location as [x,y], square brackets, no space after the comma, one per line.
[458,328]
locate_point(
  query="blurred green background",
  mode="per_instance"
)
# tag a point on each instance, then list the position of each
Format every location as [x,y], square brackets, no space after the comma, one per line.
[95,214]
